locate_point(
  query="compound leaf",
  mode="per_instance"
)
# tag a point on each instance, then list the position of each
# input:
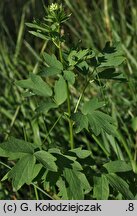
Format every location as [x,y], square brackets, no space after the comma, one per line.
[91,118]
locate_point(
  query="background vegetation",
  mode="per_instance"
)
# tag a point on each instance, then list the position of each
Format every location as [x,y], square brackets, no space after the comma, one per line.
[93,22]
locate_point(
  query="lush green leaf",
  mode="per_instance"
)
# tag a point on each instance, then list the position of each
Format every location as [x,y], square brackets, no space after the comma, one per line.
[75,187]
[69,76]
[81,121]
[110,73]
[117,166]
[11,155]
[84,182]
[64,161]
[74,57]
[36,84]
[37,26]
[101,188]
[134,124]
[52,61]
[62,189]
[54,66]
[112,56]
[40,35]
[25,83]
[22,172]
[60,90]
[47,160]
[76,166]
[28,93]
[44,107]
[17,145]
[120,185]
[40,86]
[82,154]
[92,105]
[82,67]
[49,71]
[99,122]
[82,53]
[36,170]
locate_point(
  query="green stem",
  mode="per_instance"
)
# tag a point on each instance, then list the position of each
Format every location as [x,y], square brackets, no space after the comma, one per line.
[81,95]
[70,121]
[71,140]
[13,120]
[83,91]
[43,191]
[5,165]
[100,144]
[52,128]
[36,192]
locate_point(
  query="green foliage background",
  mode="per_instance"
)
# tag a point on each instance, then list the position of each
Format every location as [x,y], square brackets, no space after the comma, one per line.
[91,25]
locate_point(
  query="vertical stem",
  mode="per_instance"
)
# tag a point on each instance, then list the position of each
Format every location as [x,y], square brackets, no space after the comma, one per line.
[70,121]
[71,141]
[36,192]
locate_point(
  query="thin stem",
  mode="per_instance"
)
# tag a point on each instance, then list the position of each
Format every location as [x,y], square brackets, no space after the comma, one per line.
[36,192]
[5,165]
[52,128]
[100,144]
[83,91]
[44,192]
[71,140]
[70,121]
[13,120]
[81,95]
